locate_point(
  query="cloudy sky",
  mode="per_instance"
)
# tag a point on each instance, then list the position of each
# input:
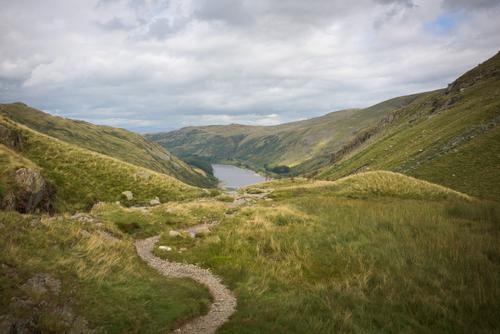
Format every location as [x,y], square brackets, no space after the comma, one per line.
[150,65]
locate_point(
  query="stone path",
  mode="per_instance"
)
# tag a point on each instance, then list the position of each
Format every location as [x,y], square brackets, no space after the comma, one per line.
[224,304]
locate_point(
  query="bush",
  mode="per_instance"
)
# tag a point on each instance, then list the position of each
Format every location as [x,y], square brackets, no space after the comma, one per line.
[280,169]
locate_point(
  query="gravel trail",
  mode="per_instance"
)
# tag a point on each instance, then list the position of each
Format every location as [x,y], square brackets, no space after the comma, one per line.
[224,304]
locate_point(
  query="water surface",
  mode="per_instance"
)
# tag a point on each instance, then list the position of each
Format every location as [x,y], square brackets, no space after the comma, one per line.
[235,177]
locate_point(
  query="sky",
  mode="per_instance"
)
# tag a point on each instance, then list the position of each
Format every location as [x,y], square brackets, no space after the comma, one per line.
[158,65]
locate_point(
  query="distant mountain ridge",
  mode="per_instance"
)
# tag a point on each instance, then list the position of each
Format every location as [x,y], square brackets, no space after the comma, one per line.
[293,144]
[449,136]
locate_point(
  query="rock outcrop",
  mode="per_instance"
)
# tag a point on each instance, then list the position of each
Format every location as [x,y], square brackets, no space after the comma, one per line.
[29,192]
[11,138]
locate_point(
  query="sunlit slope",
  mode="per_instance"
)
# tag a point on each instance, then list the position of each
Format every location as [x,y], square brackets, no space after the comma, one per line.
[115,142]
[290,144]
[82,177]
[451,137]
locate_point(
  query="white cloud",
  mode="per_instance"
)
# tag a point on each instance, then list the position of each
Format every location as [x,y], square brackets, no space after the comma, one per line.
[160,64]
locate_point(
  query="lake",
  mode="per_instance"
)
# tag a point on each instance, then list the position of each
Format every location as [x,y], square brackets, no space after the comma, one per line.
[235,177]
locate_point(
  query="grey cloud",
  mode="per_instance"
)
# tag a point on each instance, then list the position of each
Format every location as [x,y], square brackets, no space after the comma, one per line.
[115,23]
[175,64]
[470,4]
[229,11]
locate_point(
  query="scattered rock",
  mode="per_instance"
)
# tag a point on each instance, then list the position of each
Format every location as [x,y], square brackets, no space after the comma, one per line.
[83,217]
[183,249]
[143,175]
[36,222]
[173,233]
[31,192]
[155,201]
[128,195]
[11,138]
[107,236]
[41,283]
[165,248]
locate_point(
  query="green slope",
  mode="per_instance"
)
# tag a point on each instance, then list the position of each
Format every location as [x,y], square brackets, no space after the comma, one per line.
[450,137]
[298,144]
[82,177]
[118,143]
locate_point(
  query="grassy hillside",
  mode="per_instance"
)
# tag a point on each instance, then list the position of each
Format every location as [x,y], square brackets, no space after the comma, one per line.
[293,144]
[451,137]
[377,252]
[114,142]
[59,275]
[82,177]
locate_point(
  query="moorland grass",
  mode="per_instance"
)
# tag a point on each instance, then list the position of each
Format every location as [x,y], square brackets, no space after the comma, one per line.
[82,177]
[114,142]
[316,262]
[101,278]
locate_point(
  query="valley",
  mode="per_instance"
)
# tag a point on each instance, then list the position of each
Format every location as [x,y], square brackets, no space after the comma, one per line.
[384,219]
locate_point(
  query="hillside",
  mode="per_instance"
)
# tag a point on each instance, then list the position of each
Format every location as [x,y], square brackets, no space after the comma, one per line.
[114,142]
[450,137]
[66,177]
[292,144]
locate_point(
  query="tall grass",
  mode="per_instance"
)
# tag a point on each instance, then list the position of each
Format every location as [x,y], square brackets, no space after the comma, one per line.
[316,261]
[102,279]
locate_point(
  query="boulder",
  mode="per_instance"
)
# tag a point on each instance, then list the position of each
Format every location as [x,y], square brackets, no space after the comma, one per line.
[143,175]
[83,217]
[173,233]
[165,248]
[30,192]
[155,201]
[128,195]
[11,138]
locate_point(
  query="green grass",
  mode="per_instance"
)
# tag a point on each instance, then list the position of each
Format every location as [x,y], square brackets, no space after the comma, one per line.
[82,177]
[316,260]
[291,144]
[456,146]
[118,143]
[101,280]
[140,223]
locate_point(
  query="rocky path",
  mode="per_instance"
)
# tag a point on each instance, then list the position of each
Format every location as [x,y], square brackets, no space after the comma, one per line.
[224,303]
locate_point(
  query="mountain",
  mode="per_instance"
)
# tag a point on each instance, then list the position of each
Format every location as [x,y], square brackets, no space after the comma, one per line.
[42,172]
[292,144]
[114,142]
[448,136]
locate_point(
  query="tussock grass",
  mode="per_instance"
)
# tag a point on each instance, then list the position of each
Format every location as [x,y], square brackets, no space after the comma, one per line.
[83,177]
[101,277]
[141,223]
[373,262]
[371,185]
[384,183]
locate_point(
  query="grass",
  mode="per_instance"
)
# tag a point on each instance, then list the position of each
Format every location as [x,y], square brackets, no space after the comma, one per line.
[117,143]
[456,146]
[288,144]
[318,260]
[141,224]
[82,177]
[101,280]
